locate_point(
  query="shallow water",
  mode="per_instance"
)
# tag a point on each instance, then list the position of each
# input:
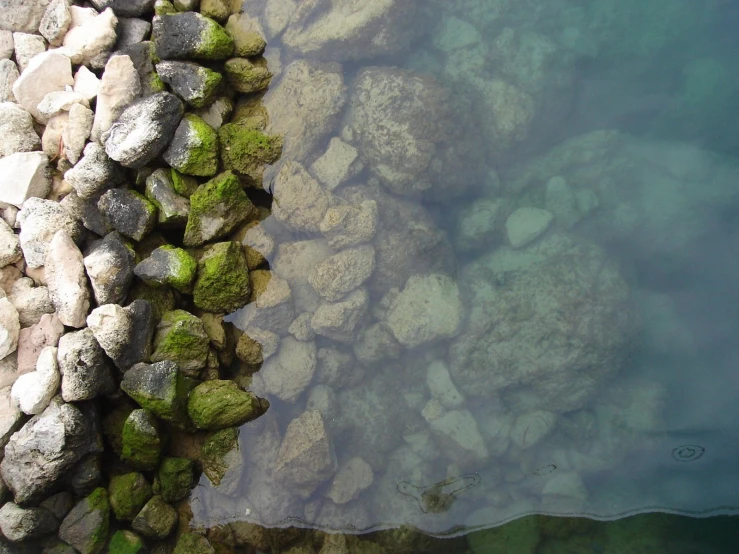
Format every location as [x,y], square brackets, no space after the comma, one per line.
[594,366]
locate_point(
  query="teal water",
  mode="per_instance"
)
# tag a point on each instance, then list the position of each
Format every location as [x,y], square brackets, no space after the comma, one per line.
[551,322]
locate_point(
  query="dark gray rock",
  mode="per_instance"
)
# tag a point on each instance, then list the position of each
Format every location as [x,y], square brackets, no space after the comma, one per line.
[59,504]
[39,455]
[140,55]
[86,211]
[195,84]
[128,212]
[168,265]
[144,129]
[156,520]
[126,8]
[86,371]
[94,173]
[190,35]
[86,475]
[158,387]
[87,525]
[124,333]
[194,148]
[20,524]
[132,31]
[109,263]
[173,209]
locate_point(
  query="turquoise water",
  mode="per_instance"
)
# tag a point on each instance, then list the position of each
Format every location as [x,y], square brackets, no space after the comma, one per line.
[549,323]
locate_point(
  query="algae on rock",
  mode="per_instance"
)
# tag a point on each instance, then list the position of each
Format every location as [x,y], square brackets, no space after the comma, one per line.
[220,404]
[222,284]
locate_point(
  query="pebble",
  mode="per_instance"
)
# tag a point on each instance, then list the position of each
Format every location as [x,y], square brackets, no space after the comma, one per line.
[86,43]
[94,173]
[77,131]
[86,372]
[86,83]
[34,339]
[10,246]
[32,302]
[8,76]
[109,263]
[26,47]
[55,22]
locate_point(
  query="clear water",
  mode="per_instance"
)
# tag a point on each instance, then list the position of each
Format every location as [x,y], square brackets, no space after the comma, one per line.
[596,365]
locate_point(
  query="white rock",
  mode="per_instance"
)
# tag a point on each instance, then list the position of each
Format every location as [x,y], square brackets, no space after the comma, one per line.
[51,140]
[46,72]
[476,226]
[32,302]
[533,427]
[8,76]
[339,164]
[40,220]
[526,224]
[339,320]
[55,22]
[10,328]
[119,86]
[86,83]
[93,37]
[346,225]
[33,391]
[350,480]
[26,47]
[24,175]
[10,246]
[343,272]
[16,129]
[6,45]
[77,131]
[10,416]
[22,15]
[288,373]
[67,282]
[59,101]
[428,308]
[442,387]
[459,437]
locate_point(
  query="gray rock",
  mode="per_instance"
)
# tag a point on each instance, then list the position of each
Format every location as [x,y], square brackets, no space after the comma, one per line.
[477,225]
[140,54]
[10,328]
[339,320]
[109,263]
[65,276]
[272,310]
[144,129]
[10,246]
[86,526]
[59,504]
[40,454]
[158,387]
[350,225]
[124,333]
[8,76]
[22,15]
[289,372]
[16,126]
[217,113]
[300,201]
[527,224]
[40,220]
[132,30]
[375,344]
[457,434]
[90,39]
[168,265]
[172,208]
[190,35]
[195,84]
[11,416]
[6,44]
[350,480]
[46,72]
[86,475]
[120,85]
[24,175]
[86,211]
[94,173]
[194,148]
[294,263]
[26,47]
[343,272]
[156,520]
[20,524]
[127,8]
[86,372]
[57,19]
[58,103]
[77,131]
[86,83]
[337,368]
[128,212]
[338,165]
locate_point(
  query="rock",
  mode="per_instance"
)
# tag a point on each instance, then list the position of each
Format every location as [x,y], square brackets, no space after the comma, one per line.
[442,387]
[335,368]
[24,175]
[301,328]
[10,328]
[126,542]
[338,165]
[26,47]
[195,84]
[86,475]
[170,266]
[76,132]
[86,372]
[65,275]
[351,33]
[289,372]
[458,436]
[8,76]
[40,220]
[58,103]
[88,42]
[562,203]
[57,19]
[190,35]
[248,75]
[305,105]
[109,263]
[428,308]
[59,504]
[159,388]
[31,302]
[33,391]
[32,340]
[256,345]
[86,83]
[11,416]
[375,344]
[343,272]
[126,8]
[216,208]
[10,246]
[350,480]
[306,457]
[222,284]
[194,148]
[6,44]
[526,224]
[20,524]
[156,520]
[120,85]
[531,428]
[216,9]
[94,173]
[339,320]
[86,527]
[141,443]
[295,262]
[346,225]
[217,113]
[128,493]
[246,150]
[181,337]
[217,404]
[86,211]
[21,15]
[41,453]
[413,148]
[300,202]
[477,225]
[132,31]
[128,212]
[193,543]
[124,333]
[16,126]
[174,479]
[247,34]
[144,129]
[222,461]
[52,137]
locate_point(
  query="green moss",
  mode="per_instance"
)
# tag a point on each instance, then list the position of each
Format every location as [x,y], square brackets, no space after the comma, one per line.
[156,520]
[125,542]
[212,81]
[218,404]
[222,284]
[156,84]
[248,76]
[215,42]
[162,299]
[141,445]
[215,450]
[163,7]
[97,501]
[184,185]
[245,149]
[192,543]
[181,337]
[248,41]
[203,155]
[183,266]
[223,203]
[174,479]
[128,493]
[113,426]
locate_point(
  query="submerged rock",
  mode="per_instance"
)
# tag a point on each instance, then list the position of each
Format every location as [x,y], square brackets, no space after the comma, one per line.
[300,202]
[223,462]
[527,224]
[343,272]
[350,480]
[247,34]
[289,372]
[219,404]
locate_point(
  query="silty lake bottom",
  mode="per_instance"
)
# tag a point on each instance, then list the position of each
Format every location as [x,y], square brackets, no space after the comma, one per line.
[509,230]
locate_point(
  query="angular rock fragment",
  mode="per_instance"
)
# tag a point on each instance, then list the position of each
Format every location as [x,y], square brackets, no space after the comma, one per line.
[33,391]
[141,443]
[8,76]
[109,263]
[24,175]
[172,209]
[526,224]
[77,131]
[458,434]
[94,173]
[32,340]
[128,212]
[132,30]
[222,460]
[159,388]
[26,47]
[192,543]
[11,417]
[124,333]
[174,479]
[181,338]
[343,272]
[87,43]
[300,202]
[222,284]
[46,72]
[57,19]
[10,328]
[40,220]
[247,34]
[126,541]
[169,265]
[195,84]
[86,372]
[156,520]
[246,150]
[16,126]
[190,35]
[272,310]
[338,165]
[194,148]
[65,275]
[346,225]
[128,493]
[217,113]
[87,525]
[339,320]
[248,75]
[119,86]
[31,302]
[217,404]
[23,16]
[350,480]
[288,373]
[19,524]
[86,83]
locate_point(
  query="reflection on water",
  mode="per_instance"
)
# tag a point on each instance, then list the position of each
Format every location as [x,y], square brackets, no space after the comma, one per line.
[503,253]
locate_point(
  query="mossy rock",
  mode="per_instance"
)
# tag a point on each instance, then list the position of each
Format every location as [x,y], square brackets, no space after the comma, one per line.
[247,34]
[194,148]
[156,520]
[113,424]
[246,150]
[216,208]
[174,479]
[164,7]
[215,9]
[190,35]
[216,448]
[222,284]
[87,525]
[181,338]
[160,388]
[248,75]
[128,493]
[126,542]
[193,543]
[172,209]
[184,185]
[141,443]
[162,299]
[218,404]
[168,265]
[249,351]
